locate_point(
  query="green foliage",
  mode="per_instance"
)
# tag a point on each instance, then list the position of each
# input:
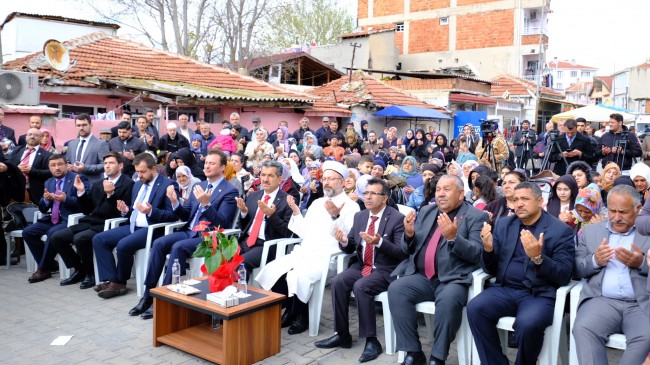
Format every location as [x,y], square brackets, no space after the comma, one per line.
[319,21]
[216,249]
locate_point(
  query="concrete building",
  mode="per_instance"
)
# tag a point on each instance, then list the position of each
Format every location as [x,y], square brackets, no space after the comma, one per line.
[631,88]
[601,91]
[23,34]
[579,93]
[568,73]
[488,37]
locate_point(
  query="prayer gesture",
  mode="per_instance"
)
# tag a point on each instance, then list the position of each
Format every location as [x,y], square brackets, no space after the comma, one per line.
[47,195]
[122,207]
[370,240]
[201,195]
[486,237]
[332,209]
[532,245]
[171,195]
[79,185]
[144,208]
[241,204]
[268,210]
[409,224]
[631,258]
[292,204]
[341,236]
[603,253]
[58,197]
[447,227]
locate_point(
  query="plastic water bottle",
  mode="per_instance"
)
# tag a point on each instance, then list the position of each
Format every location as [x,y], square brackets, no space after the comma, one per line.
[176,272]
[242,286]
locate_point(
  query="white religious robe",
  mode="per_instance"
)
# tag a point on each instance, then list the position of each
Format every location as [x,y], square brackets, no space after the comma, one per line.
[305,263]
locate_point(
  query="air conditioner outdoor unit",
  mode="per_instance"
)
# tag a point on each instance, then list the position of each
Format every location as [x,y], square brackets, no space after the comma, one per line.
[19,88]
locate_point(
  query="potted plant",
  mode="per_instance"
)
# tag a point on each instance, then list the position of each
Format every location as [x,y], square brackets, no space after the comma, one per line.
[221,256]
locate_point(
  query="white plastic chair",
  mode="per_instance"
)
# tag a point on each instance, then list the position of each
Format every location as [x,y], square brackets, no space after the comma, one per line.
[464,339]
[404,209]
[555,337]
[615,341]
[389,331]
[28,215]
[64,272]
[141,257]
[108,224]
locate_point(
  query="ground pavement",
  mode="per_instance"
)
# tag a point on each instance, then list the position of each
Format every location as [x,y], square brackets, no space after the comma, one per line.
[35,314]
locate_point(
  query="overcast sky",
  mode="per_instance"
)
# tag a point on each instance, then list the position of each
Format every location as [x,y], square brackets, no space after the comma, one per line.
[606,34]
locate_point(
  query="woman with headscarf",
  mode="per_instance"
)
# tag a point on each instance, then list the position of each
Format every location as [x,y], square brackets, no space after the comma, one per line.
[310,145]
[350,184]
[441,145]
[563,197]
[505,205]
[196,146]
[610,173]
[311,189]
[408,142]
[454,168]
[589,208]
[417,197]
[46,141]
[288,185]
[352,142]
[186,182]
[256,149]
[364,131]
[408,171]
[185,157]
[281,145]
[640,175]
[293,170]
[470,195]
[468,166]
[230,175]
[419,150]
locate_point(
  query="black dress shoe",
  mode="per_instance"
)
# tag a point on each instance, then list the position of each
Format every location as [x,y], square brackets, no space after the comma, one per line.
[88,282]
[435,361]
[299,325]
[148,314]
[287,318]
[371,351]
[415,358]
[344,341]
[76,277]
[142,306]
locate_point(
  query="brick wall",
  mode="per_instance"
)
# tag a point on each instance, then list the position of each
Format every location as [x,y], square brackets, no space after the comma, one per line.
[533,39]
[423,84]
[388,7]
[363,9]
[484,30]
[428,36]
[379,26]
[422,5]
[647,106]
[471,2]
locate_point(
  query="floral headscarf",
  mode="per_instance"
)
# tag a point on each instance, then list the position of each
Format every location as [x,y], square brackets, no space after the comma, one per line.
[590,198]
[404,174]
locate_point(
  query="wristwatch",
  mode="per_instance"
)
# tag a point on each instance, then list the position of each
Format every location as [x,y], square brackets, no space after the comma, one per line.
[537,260]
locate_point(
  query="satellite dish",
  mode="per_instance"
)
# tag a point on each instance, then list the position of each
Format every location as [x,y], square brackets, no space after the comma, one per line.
[56,55]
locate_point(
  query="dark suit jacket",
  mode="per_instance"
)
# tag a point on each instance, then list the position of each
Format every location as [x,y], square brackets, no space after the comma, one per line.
[38,174]
[69,205]
[93,158]
[455,260]
[97,207]
[221,212]
[277,225]
[592,237]
[8,132]
[161,207]
[580,142]
[558,253]
[23,142]
[12,182]
[391,229]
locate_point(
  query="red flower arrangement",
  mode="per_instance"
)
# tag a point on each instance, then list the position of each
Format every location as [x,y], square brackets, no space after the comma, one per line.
[221,256]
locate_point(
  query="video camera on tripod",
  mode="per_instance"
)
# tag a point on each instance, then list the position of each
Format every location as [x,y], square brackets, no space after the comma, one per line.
[488,127]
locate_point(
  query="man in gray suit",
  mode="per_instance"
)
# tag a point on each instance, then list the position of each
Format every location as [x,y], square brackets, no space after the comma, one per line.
[445,247]
[85,154]
[614,298]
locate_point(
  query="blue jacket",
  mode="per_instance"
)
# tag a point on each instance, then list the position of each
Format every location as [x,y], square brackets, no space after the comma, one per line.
[69,205]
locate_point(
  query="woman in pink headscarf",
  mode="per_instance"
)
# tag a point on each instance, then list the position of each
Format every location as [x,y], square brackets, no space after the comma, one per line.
[46,141]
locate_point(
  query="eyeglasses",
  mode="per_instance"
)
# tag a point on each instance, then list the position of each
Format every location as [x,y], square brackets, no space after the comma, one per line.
[33,135]
[328,179]
[371,194]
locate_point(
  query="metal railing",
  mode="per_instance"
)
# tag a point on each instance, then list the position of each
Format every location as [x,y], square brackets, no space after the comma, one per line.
[535,30]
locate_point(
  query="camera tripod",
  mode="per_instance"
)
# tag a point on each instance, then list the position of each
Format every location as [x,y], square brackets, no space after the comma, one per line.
[547,154]
[619,157]
[489,149]
[525,155]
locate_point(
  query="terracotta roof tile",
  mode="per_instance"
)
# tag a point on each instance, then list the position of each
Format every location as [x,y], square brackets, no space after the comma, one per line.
[101,56]
[606,80]
[517,86]
[580,87]
[365,89]
[569,65]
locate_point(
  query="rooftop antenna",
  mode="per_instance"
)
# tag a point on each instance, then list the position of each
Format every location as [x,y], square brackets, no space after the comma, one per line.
[354,46]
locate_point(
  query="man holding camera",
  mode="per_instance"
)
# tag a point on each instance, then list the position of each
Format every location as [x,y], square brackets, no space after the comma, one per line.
[524,140]
[492,149]
[619,145]
[574,146]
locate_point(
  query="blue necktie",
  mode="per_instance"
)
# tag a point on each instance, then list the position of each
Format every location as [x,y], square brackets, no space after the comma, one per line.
[197,215]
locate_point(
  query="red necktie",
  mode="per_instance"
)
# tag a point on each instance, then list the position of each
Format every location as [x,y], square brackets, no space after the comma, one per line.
[25,161]
[257,224]
[430,255]
[368,253]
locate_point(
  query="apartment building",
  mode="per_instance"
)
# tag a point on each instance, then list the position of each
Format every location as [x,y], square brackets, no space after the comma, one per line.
[569,73]
[489,37]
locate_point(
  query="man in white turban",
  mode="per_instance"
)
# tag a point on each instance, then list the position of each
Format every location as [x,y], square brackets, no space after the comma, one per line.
[294,274]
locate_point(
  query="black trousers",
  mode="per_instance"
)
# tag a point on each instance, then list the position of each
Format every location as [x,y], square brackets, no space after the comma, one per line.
[253,255]
[292,304]
[82,259]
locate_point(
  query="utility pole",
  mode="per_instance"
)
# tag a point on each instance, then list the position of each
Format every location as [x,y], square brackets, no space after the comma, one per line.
[354,46]
[540,68]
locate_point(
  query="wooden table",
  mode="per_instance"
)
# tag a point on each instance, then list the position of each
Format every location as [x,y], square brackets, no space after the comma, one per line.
[250,331]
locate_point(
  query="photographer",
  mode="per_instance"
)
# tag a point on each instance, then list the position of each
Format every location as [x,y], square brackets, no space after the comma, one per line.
[492,149]
[574,146]
[524,141]
[618,145]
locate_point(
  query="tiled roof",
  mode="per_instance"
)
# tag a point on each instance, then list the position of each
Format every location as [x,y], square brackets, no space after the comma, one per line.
[580,87]
[365,89]
[58,18]
[101,56]
[606,80]
[563,65]
[517,86]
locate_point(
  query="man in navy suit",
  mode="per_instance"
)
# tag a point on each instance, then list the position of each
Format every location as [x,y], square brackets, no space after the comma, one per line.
[150,206]
[275,212]
[531,254]
[59,196]
[376,236]
[6,132]
[86,154]
[32,161]
[212,200]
